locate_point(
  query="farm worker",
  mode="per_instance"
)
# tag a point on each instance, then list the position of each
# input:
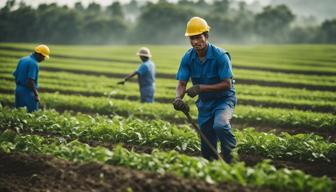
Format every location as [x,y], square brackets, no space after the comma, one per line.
[146,76]
[26,79]
[210,70]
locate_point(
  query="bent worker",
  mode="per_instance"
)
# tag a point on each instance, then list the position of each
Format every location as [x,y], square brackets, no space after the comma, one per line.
[146,76]
[26,79]
[210,70]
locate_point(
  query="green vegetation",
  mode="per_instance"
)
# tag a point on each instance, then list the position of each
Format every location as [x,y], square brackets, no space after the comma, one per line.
[262,175]
[301,147]
[278,87]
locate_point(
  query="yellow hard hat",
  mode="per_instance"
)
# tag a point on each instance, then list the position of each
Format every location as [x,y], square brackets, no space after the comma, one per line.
[196,26]
[144,51]
[43,50]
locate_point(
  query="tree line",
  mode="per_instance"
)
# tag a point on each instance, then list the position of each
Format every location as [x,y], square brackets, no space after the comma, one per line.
[155,23]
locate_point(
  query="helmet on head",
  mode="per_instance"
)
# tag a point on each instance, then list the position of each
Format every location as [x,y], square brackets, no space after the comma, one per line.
[144,51]
[196,26]
[43,50]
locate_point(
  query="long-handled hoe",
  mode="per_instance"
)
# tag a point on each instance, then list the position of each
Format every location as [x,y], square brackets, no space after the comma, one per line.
[197,129]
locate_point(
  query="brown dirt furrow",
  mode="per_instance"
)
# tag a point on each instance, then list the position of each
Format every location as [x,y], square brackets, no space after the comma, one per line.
[313,168]
[317,169]
[24,172]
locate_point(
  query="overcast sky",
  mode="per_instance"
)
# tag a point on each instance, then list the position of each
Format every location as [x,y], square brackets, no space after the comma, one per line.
[86,2]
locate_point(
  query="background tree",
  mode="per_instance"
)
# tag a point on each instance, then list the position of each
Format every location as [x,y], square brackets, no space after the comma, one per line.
[221,6]
[273,22]
[157,22]
[161,23]
[79,7]
[115,10]
[328,31]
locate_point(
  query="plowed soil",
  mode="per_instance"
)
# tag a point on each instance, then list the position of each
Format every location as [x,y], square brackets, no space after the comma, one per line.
[24,172]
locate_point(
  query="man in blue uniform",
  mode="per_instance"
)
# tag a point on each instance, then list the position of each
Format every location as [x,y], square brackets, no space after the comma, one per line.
[26,79]
[146,76]
[210,70]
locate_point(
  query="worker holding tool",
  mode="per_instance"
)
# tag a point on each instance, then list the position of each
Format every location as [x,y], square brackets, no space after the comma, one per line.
[146,76]
[26,79]
[210,70]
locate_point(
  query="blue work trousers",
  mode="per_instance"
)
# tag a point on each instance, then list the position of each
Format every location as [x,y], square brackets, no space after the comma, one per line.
[24,97]
[147,94]
[219,128]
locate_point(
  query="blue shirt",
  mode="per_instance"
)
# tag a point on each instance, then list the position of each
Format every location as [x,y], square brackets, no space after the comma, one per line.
[146,73]
[215,68]
[26,68]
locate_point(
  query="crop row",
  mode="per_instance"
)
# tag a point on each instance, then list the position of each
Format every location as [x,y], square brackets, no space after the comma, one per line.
[78,79]
[262,175]
[274,118]
[242,75]
[132,93]
[240,72]
[157,133]
[72,79]
[171,77]
[241,56]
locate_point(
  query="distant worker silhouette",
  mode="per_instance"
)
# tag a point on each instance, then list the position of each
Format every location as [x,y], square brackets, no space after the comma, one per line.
[26,79]
[146,76]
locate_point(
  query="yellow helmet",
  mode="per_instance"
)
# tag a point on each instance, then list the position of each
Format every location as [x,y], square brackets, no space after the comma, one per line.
[196,26]
[43,50]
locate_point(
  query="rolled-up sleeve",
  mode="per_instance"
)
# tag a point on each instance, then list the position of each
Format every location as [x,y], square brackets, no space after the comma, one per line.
[32,71]
[142,69]
[183,73]
[224,67]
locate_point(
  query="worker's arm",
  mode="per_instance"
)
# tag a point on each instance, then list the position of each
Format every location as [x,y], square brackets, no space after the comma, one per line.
[31,85]
[178,102]
[180,89]
[221,86]
[129,76]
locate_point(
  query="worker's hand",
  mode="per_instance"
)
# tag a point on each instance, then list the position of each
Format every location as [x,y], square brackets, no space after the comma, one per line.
[179,105]
[194,90]
[121,82]
[37,98]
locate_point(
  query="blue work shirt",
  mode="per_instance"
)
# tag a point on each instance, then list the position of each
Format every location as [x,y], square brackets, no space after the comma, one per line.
[26,68]
[215,68]
[146,73]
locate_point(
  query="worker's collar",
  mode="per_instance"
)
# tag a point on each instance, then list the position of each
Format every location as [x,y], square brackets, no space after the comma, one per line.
[209,54]
[148,60]
[33,57]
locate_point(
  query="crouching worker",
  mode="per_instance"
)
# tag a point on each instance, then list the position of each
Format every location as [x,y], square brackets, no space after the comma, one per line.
[146,76]
[26,79]
[210,70]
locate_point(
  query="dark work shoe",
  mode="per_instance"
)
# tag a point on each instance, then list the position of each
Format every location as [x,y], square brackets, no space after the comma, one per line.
[227,157]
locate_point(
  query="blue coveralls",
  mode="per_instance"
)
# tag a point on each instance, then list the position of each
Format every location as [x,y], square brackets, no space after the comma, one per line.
[146,80]
[24,96]
[215,109]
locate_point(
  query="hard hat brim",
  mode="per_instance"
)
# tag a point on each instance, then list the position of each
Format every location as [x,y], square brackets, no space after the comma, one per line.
[196,33]
[44,55]
[192,34]
[145,55]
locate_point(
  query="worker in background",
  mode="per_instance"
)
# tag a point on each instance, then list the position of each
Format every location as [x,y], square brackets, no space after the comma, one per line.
[146,76]
[210,70]
[26,79]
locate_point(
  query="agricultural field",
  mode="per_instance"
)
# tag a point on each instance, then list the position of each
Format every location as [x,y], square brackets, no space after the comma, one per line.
[92,134]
